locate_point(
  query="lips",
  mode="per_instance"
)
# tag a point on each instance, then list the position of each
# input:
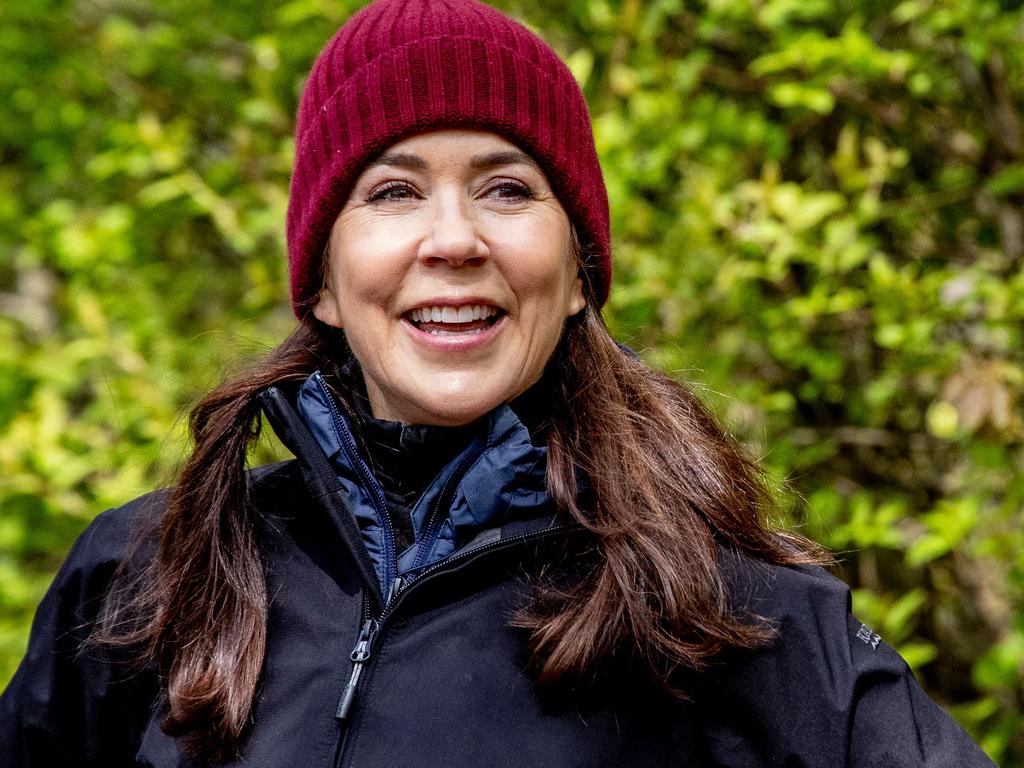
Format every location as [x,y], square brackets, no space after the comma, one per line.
[449,320]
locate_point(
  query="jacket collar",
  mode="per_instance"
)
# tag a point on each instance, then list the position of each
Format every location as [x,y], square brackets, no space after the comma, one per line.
[496,482]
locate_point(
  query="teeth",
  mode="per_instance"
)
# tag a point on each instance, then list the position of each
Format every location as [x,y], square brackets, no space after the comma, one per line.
[443,314]
[436,332]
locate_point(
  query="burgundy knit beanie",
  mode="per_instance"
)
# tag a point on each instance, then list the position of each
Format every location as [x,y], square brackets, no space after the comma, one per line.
[401,67]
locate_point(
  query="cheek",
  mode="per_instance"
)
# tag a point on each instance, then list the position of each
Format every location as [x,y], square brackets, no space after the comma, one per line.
[560,296]
[360,294]
[547,299]
[365,283]
[544,268]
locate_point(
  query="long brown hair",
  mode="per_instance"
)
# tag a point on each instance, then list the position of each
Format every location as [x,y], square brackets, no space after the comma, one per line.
[670,490]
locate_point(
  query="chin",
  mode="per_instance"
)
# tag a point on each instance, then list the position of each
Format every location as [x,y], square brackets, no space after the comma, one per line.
[459,404]
[444,414]
[445,398]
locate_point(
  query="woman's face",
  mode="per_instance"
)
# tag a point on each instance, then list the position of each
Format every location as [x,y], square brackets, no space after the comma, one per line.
[451,270]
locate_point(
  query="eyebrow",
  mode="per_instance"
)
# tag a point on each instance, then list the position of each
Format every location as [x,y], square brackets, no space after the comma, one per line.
[490,160]
[508,157]
[401,160]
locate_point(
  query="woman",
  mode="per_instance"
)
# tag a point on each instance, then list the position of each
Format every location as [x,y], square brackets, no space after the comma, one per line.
[503,539]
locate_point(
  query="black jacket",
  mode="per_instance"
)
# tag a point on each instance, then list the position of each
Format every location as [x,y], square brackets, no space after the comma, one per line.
[439,671]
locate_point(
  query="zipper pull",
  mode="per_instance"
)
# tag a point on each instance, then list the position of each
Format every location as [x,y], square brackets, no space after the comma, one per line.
[360,654]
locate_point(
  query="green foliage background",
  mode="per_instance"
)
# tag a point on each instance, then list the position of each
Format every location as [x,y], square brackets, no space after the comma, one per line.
[817,221]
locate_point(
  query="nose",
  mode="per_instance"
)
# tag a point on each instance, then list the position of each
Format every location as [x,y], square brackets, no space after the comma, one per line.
[453,235]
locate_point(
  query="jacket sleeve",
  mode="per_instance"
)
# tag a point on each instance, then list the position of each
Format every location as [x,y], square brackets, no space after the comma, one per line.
[892,720]
[827,691]
[70,703]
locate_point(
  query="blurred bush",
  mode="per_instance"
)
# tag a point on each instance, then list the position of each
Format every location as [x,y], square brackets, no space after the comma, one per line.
[818,222]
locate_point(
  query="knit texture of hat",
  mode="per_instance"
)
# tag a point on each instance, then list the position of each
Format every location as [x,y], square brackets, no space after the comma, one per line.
[401,67]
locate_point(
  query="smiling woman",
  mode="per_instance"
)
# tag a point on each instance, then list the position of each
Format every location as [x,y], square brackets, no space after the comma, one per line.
[451,268]
[503,539]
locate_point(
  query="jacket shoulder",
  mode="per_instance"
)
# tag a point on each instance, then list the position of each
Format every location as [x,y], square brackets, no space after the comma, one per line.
[108,537]
[788,596]
[132,528]
[816,644]
[826,688]
[59,707]
[71,702]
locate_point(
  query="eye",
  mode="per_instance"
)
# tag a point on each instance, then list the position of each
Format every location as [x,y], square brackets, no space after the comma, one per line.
[391,190]
[510,190]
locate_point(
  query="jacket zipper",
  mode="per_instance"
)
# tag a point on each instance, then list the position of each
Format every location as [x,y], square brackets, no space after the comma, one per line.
[434,523]
[372,627]
[370,483]
[359,656]
[363,648]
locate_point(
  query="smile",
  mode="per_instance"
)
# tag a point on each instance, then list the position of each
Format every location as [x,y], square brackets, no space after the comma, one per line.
[447,320]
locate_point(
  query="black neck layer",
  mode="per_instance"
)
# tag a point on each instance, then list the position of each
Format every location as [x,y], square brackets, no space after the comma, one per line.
[407,457]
